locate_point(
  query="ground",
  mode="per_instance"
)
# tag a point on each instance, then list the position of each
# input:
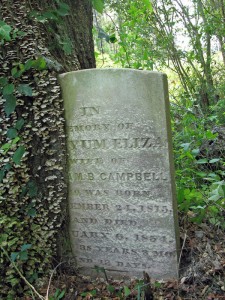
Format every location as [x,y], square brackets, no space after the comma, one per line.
[202,273]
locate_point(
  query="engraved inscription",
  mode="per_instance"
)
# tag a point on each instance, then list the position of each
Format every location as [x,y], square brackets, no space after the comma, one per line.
[120,143]
[89,111]
[150,176]
[121,185]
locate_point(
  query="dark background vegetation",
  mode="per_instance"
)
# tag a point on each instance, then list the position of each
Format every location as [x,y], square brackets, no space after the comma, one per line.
[39,40]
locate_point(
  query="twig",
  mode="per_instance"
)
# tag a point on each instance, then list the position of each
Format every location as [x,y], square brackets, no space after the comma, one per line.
[185,237]
[50,279]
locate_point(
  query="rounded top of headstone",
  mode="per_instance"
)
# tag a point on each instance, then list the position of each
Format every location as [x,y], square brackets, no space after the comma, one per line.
[112,71]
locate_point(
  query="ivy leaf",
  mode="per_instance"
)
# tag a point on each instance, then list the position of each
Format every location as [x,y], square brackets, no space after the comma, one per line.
[19,124]
[15,140]
[14,71]
[25,89]
[40,64]
[14,256]
[26,247]
[11,133]
[8,166]
[5,31]
[2,174]
[28,64]
[8,89]
[23,255]
[50,15]
[32,212]
[63,9]
[5,147]
[18,155]
[3,81]
[32,189]
[98,5]
[3,238]
[10,104]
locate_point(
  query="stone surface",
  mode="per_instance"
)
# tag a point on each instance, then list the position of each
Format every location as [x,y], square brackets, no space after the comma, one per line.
[121,181]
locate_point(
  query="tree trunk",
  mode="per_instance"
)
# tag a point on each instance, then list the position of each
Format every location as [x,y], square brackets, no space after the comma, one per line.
[33,193]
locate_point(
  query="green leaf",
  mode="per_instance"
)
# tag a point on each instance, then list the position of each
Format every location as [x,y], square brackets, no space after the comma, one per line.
[26,247]
[158,284]
[2,174]
[63,10]
[148,5]
[98,5]
[12,133]
[19,124]
[14,71]
[210,135]
[8,89]
[111,288]
[3,237]
[8,166]
[50,15]
[195,151]
[61,295]
[126,291]
[92,293]
[112,39]
[212,161]
[22,67]
[18,155]
[25,89]
[14,256]
[3,81]
[5,31]
[67,46]
[201,174]
[23,255]
[29,64]
[6,147]
[185,146]
[215,197]
[40,64]
[10,104]
[202,161]
[16,139]
[32,189]
[32,212]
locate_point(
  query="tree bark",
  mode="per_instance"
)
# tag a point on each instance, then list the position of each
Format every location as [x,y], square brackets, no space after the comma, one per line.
[39,181]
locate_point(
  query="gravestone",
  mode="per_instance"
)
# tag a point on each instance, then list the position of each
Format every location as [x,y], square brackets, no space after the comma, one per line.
[121,180]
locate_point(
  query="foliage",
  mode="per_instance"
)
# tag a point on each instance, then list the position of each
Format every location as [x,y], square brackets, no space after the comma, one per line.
[98,5]
[21,250]
[180,39]
[57,295]
[53,18]
[199,177]
[134,34]
[170,34]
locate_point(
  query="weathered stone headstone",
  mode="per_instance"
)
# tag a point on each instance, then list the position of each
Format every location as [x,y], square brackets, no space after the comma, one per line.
[121,180]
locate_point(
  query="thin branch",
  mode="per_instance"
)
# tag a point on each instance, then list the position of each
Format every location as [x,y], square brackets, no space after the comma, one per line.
[185,237]
[50,280]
